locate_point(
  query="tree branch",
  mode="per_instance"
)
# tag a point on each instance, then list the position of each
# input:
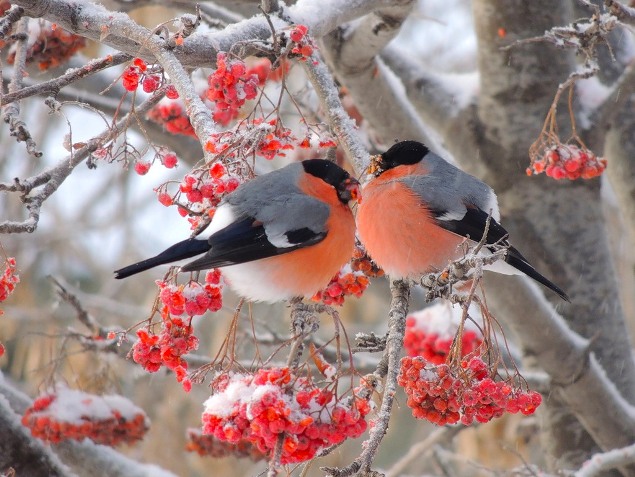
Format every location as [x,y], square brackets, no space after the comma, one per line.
[394,344]
[351,52]
[53,177]
[566,357]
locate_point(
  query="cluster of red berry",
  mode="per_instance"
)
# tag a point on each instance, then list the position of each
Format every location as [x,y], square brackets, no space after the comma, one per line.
[203,189]
[272,403]
[8,281]
[168,159]
[176,337]
[568,161]
[70,414]
[9,278]
[138,74]
[229,87]
[268,138]
[171,115]
[303,45]
[431,331]
[52,47]
[210,446]
[166,349]
[262,68]
[443,395]
[192,298]
[345,283]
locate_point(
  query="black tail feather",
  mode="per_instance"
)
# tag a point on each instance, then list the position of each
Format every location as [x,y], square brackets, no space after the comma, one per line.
[186,249]
[516,260]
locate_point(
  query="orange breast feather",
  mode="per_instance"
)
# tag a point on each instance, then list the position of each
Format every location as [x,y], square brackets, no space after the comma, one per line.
[308,269]
[398,231]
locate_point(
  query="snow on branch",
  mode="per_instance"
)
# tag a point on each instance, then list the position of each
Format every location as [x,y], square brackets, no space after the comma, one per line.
[83,457]
[341,124]
[95,22]
[622,12]
[352,51]
[53,87]
[19,446]
[599,463]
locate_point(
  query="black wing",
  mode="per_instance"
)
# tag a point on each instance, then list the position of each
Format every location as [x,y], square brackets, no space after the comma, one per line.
[472,225]
[245,241]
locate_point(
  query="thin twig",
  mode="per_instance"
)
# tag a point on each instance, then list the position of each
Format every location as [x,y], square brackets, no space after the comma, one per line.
[396,329]
[7,21]
[11,112]
[53,86]
[53,177]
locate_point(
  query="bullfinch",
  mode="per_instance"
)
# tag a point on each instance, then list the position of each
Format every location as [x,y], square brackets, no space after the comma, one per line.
[418,210]
[281,235]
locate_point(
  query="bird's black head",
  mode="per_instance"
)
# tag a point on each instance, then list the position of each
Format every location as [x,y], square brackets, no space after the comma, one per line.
[346,186]
[401,154]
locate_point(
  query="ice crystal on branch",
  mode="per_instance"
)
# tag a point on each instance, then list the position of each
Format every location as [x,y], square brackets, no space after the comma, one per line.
[274,403]
[71,414]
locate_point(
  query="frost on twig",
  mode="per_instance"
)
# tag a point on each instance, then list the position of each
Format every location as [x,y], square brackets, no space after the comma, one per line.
[623,13]
[583,35]
[7,21]
[49,180]
[11,112]
[612,459]
[54,86]
[341,124]
[400,291]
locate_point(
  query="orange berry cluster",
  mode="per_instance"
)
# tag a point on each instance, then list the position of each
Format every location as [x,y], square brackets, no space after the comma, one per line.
[210,446]
[361,262]
[138,74]
[268,138]
[352,279]
[9,278]
[203,188]
[303,45]
[273,402]
[262,68]
[52,47]
[168,159]
[171,115]
[345,283]
[176,337]
[430,334]
[443,395]
[229,86]
[568,161]
[70,414]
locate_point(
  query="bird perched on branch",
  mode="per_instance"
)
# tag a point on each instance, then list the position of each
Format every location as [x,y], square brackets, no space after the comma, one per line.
[419,209]
[278,236]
